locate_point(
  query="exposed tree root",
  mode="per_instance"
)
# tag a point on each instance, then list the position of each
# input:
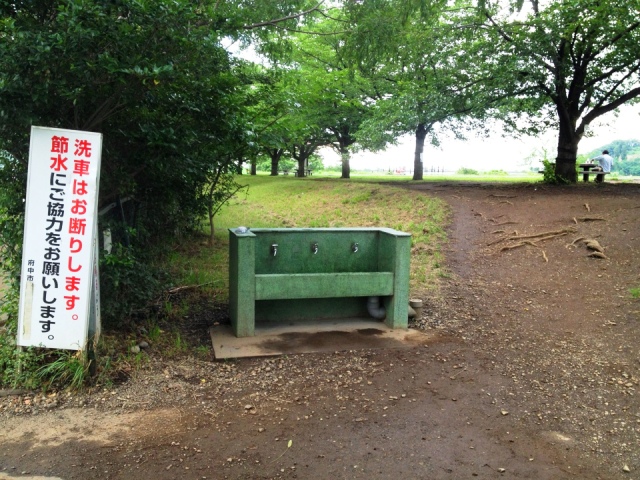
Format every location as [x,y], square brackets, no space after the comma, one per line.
[591,219]
[502,239]
[594,245]
[597,255]
[175,290]
[524,244]
[519,244]
[546,235]
[586,205]
[524,240]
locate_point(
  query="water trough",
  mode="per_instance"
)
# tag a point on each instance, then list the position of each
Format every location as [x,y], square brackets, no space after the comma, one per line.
[289,276]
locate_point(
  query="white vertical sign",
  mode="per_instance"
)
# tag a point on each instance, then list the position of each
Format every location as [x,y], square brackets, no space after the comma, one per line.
[58,256]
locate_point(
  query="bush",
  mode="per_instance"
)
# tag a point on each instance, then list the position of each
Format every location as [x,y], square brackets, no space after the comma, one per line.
[128,283]
[467,171]
[549,173]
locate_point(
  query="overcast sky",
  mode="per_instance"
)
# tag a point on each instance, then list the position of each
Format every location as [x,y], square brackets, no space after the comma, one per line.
[496,152]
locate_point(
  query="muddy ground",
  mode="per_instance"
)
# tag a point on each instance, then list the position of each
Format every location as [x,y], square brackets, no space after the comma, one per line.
[531,371]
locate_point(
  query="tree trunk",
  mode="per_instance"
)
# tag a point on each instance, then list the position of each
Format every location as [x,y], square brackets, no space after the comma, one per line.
[275,155]
[418,166]
[346,168]
[254,167]
[212,230]
[568,141]
[302,166]
[302,153]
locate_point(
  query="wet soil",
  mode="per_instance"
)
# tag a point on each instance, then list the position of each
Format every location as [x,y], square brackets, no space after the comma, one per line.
[532,372]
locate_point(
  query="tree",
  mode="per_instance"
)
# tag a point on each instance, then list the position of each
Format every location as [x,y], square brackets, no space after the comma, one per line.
[220,187]
[618,149]
[570,62]
[162,109]
[336,97]
[427,69]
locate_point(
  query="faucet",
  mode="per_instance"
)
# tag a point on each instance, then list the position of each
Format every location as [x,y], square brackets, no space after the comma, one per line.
[314,247]
[354,247]
[274,249]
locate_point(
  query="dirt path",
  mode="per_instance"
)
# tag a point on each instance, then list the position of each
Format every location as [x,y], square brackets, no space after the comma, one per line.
[532,373]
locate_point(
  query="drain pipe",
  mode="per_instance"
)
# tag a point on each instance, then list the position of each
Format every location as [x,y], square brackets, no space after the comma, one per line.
[374,308]
[415,308]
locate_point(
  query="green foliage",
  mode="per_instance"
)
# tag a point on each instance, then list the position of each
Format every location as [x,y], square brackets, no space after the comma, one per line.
[428,73]
[279,201]
[619,149]
[18,368]
[316,163]
[627,167]
[154,79]
[549,174]
[626,156]
[333,100]
[467,171]
[635,292]
[128,282]
[166,112]
[12,179]
[220,188]
[264,164]
[65,369]
[563,64]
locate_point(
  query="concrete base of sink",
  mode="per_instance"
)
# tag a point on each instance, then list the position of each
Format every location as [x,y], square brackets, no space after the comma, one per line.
[338,335]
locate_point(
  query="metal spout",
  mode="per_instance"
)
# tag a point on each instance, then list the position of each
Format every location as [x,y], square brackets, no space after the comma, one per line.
[274,249]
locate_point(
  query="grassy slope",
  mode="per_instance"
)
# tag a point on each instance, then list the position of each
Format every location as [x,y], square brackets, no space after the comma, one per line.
[322,202]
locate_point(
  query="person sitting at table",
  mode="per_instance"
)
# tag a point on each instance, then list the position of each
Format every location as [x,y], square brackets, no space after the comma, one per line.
[605,162]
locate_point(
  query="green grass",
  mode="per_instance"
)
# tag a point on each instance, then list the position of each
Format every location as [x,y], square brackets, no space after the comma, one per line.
[635,292]
[318,202]
[68,369]
[489,177]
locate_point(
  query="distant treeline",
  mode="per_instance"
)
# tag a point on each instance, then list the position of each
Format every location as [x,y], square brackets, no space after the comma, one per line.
[626,156]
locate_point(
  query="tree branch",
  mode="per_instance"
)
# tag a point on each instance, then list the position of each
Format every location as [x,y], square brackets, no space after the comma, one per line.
[616,38]
[283,19]
[610,73]
[597,112]
[306,32]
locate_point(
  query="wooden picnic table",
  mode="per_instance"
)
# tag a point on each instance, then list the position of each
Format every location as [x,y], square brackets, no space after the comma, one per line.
[586,170]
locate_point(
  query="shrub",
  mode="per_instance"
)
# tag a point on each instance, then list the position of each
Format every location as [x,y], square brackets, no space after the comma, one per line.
[467,171]
[549,173]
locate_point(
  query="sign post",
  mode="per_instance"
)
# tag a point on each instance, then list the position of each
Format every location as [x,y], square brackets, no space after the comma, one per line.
[59,286]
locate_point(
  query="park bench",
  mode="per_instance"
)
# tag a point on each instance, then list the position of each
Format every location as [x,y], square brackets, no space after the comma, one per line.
[585,174]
